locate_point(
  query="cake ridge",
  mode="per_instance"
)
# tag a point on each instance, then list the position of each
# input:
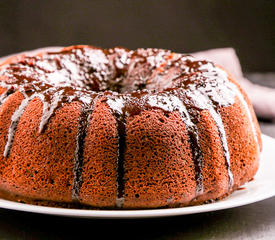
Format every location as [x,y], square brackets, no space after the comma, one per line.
[168,103]
[188,114]
[219,123]
[245,104]
[14,122]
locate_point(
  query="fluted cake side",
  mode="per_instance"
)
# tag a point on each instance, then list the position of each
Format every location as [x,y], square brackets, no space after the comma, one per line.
[115,128]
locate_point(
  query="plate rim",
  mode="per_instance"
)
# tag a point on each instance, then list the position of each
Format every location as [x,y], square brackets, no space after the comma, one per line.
[144,213]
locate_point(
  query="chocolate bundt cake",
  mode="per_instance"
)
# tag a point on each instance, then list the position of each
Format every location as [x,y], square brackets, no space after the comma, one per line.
[114,128]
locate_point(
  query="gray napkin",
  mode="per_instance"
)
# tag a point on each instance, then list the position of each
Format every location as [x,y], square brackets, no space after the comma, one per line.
[262,98]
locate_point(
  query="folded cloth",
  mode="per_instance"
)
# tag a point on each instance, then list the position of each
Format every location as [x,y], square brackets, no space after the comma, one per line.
[262,98]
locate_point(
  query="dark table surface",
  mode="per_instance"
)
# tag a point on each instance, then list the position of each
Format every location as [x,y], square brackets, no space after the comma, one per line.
[253,221]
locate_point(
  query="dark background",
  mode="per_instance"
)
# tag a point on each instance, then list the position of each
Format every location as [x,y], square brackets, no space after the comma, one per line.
[182,26]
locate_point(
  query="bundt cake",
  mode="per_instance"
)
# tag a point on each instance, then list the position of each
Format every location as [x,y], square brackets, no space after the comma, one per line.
[121,129]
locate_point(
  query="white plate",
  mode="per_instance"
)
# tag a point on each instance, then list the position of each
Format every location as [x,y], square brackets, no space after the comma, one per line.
[261,188]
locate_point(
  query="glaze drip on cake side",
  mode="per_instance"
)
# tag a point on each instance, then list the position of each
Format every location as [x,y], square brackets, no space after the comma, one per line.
[131,82]
[83,124]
